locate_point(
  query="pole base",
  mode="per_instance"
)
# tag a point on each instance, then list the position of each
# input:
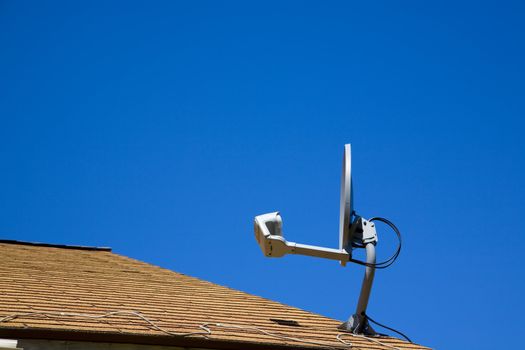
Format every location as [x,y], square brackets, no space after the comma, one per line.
[357,324]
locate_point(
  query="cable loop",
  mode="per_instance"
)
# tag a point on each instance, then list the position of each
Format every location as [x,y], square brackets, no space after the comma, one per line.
[389,261]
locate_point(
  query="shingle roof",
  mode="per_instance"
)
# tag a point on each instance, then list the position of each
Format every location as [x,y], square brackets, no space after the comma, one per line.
[38,282]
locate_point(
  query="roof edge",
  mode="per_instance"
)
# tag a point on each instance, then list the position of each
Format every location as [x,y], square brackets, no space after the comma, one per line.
[162,340]
[62,246]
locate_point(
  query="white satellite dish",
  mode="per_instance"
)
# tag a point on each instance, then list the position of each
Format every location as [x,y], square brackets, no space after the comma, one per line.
[345,204]
[354,232]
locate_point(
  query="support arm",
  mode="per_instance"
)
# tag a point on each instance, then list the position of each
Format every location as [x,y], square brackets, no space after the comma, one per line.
[319,252]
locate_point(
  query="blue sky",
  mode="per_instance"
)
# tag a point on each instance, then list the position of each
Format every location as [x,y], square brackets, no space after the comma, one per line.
[162,128]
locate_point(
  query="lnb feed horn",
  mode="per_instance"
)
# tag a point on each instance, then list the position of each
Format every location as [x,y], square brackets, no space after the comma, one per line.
[268,233]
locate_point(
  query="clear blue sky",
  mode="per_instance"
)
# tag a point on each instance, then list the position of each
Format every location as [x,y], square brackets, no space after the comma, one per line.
[162,128]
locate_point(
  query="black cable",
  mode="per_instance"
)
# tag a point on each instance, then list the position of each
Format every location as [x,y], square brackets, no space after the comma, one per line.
[389,261]
[386,327]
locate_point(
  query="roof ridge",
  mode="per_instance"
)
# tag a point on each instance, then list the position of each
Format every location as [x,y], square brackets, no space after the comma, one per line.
[48,245]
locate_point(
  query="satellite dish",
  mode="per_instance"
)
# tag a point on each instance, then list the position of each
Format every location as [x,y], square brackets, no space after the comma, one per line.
[345,205]
[354,232]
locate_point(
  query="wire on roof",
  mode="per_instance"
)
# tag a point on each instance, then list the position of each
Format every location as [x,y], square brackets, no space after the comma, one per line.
[386,327]
[50,314]
[205,327]
[339,337]
[275,335]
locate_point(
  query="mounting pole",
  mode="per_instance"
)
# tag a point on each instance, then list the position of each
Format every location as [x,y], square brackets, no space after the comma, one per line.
[364,233]
[366,288]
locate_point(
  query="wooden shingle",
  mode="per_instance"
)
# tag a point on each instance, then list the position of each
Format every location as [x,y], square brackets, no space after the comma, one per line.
[81,293]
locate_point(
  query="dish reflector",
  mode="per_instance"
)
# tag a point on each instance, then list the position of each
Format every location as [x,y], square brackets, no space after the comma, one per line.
[346,205]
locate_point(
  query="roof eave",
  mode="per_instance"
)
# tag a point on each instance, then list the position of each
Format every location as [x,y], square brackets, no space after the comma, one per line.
[130,338]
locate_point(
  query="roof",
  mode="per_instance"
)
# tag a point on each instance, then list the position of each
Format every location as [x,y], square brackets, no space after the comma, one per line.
[92,294]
